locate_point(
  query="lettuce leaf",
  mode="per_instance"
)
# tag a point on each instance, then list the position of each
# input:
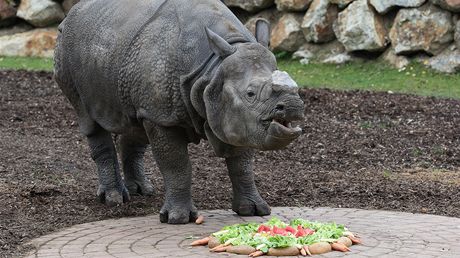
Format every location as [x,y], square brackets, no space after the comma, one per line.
[246,234]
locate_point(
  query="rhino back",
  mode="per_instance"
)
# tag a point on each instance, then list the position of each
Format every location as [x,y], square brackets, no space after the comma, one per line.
[127,57]
[94,36]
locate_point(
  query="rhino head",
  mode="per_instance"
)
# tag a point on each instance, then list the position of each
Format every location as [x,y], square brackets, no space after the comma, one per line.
[249,103]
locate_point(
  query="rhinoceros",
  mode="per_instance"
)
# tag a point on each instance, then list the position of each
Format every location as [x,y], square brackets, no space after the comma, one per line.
[169,73]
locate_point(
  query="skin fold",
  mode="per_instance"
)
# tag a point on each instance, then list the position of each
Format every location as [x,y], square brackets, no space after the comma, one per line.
[170,73]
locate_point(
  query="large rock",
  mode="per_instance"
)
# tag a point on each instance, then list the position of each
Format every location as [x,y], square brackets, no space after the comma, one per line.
[271,14]
[451,5]
[457,34]
[68,4]
[341,58]
[319,52]
[37,43]
[7,10]
[427,28]
[40,13]
[446,62]
[317,23]
[359,27]
[341,3]
[292,5]
[383,6]
[250,5]
[287,34]
[16,28]
[390,57]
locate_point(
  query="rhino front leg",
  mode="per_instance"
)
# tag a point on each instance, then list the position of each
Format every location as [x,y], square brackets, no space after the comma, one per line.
[112,190]
[246,199]
[169,146]
[132,147]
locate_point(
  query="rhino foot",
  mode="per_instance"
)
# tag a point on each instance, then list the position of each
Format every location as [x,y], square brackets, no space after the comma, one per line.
[112,196]
[251,207]
[178,213]
[140,187]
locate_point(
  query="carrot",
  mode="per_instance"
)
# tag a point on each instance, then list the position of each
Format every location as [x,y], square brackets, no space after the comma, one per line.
[217,247]
[199,220]
[355,240]
[339,247]
[303,252]
[307,250]
[256,254]
[220,248]
[203,241]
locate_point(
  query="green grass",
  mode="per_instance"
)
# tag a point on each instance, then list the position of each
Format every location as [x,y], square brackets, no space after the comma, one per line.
[26,63]
[374,76]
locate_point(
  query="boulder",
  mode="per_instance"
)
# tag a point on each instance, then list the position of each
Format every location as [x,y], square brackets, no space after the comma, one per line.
[7,10]
[387,5]
[241,14]
[448,61]
[16,28]
[317,22]
[359,27]
[319,52]
[427,28]
[303,54]
[341,3]
[421,58]
[68,4]
[250,5]
[287,34]
[341,58]
[36,43]
[40,13]
[390,57]
[451,5]
[272,15]
[292,5]
[457,34]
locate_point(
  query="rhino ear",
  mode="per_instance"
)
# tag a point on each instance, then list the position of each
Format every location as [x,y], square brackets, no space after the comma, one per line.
[218,45]
[263,32]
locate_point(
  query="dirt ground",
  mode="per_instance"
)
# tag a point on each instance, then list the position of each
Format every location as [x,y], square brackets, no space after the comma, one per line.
[360,149]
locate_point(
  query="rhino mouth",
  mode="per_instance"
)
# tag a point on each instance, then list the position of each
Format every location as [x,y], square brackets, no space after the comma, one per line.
[283,129]
[280,133]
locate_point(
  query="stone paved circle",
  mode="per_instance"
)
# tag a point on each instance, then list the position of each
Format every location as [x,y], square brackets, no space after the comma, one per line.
[384,233]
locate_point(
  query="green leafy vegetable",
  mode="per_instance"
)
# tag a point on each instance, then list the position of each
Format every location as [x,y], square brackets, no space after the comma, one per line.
[247,234]
[276,222]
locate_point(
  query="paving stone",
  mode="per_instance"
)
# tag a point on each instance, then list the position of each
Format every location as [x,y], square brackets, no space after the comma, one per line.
[384,233]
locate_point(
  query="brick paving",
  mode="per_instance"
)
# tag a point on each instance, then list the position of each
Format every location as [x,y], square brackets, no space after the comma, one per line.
[384,233]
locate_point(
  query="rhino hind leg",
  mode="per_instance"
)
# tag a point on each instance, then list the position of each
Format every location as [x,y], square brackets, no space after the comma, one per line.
[132,148]
[169,147]
[246,198]
[112,190]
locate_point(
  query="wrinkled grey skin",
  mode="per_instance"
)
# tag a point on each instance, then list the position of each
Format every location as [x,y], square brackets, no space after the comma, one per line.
[170,73]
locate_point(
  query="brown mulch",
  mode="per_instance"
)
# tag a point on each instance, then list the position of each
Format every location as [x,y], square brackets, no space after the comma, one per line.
[360,149]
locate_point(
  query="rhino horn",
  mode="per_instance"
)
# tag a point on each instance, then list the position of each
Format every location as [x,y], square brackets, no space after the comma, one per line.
[281,81]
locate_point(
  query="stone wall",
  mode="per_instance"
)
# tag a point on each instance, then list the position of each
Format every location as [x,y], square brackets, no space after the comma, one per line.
[328,31]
